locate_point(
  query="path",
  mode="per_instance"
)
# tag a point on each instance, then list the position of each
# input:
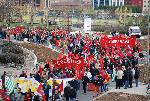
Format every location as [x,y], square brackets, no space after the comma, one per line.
[141,90]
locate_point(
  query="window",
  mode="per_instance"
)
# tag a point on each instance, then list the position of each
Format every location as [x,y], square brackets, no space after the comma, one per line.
[120,3]
[37,3]
[136,31]
[46,3]
[101,2]
[95,3]
[106,2]
[117,2]
[113,3]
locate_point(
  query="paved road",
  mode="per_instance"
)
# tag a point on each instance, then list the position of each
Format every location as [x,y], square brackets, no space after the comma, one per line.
[89,95]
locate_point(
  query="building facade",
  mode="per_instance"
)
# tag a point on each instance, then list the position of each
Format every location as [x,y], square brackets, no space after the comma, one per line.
[127,2]
[41,4]
[146,6]
[98,3]
[138,3]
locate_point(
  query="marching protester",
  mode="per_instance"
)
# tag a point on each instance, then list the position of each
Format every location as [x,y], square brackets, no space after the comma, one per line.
[19,96]
[136,76]
[66,92]
[85,80]
[119,76]
[130,77]
[28,96]
[126,77]
[23,74]
[3,79]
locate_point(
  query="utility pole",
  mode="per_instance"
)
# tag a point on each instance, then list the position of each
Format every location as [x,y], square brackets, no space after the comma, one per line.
[68,23]
[32,12]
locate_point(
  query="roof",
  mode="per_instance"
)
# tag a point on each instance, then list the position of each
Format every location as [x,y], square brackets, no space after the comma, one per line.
[135,27]
[67,3]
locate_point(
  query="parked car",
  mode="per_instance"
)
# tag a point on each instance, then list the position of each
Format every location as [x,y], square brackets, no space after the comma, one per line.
[134,31]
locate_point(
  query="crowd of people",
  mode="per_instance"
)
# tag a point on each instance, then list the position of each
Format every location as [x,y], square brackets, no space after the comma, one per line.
[101,64]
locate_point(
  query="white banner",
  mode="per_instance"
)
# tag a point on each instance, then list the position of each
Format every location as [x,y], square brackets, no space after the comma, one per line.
[87,24]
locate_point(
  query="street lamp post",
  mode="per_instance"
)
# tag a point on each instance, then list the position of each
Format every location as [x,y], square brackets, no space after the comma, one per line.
[68,23]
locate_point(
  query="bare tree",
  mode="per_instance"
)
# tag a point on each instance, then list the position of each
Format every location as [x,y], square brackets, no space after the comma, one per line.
[6,10]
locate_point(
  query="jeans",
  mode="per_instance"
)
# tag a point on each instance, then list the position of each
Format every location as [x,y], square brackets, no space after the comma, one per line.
[136,82]
[92,78]
[126,84]
[12,97]
[102,88]
[105,87]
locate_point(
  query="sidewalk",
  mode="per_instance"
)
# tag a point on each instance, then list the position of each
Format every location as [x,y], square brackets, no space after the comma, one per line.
[141,90]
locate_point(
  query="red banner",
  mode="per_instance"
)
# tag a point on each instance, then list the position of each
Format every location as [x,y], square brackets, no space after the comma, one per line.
[69,62]
[118,41]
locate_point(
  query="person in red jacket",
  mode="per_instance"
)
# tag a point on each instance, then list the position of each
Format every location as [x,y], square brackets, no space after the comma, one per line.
[28,96]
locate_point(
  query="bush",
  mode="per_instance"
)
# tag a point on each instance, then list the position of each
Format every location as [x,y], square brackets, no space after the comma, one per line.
[11,53]
[9,47]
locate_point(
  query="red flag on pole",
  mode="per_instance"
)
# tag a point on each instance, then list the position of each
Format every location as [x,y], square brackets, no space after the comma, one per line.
[61,86]
[40,92]
[40,70]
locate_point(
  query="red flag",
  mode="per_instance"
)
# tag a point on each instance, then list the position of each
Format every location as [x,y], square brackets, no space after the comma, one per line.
[39,89]
[77,56]
[50,65]
[40,92]
[61,86]
[40,70]
[90,58]
[61,54]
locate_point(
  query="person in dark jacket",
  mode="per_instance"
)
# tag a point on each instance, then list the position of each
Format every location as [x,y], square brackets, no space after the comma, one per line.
[35,97]
[126,78]
[136,76]
[46,66]
[46,87]
[28,96]
[72,94]
[130,78]
[85,80]
[100,83]
[3,79]
[23,74]
[38,77]
[66,92]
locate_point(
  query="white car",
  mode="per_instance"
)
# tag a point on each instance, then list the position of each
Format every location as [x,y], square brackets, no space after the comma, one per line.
[134,31]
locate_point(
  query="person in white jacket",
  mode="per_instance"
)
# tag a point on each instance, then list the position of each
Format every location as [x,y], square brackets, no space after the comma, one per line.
[119,76]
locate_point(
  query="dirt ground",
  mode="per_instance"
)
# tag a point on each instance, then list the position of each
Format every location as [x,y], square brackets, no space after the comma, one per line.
[42,53]
[123,97]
